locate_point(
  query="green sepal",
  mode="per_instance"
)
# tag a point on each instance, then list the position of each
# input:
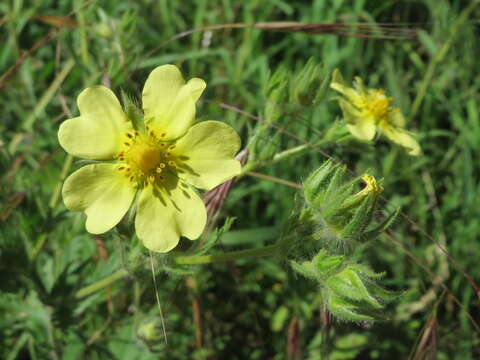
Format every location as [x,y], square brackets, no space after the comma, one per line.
[378,230]
[309,85]
[306,269]
[351,310]
[333,209]
[337,77]
[349,285]
[262,146]
[321,267]
[326,265]
[360,219]
[132,111]
[279,79]
[364,271]
[384,295]
[336,182]
[318,181]
[275,103]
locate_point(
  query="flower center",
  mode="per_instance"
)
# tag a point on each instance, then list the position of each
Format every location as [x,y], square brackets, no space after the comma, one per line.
[146,159]
[145,156]
[377,104]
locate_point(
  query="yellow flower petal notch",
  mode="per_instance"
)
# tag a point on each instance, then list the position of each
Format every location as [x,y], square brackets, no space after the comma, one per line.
[367,111]
[159,162]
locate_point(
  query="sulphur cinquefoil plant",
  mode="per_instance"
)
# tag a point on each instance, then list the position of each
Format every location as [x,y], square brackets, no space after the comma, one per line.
[332,220]
[368,111]
[151,160]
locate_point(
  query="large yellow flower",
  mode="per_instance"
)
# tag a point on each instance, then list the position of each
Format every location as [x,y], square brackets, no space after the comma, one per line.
[367,110]
[156,164]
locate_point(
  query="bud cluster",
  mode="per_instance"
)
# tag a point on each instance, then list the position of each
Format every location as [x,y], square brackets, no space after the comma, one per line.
[337,213]
[332,217]
[286,95]
[348,290]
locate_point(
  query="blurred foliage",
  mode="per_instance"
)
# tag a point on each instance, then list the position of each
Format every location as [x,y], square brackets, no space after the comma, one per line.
[250,309]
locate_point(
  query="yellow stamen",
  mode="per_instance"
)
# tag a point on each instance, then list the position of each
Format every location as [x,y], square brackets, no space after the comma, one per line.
[377,105]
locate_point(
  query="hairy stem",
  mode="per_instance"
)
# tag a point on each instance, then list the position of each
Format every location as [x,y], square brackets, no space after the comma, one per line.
[229,256]
[270,250]
[90,289]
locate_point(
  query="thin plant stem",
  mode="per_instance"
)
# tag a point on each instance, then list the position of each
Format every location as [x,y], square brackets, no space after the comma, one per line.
[157,297]
[286,154]
[275,179]
[58,188]
[269,250]
[90,289]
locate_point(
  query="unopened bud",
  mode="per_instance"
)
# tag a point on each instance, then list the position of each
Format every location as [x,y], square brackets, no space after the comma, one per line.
[348,290]
[150,331]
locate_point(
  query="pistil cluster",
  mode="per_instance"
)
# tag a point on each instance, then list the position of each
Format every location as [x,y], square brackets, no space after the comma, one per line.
[377,105]
[146,159]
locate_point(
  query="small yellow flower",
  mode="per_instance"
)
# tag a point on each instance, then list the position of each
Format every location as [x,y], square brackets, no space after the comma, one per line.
[157,163]
[367,110]
[371,186]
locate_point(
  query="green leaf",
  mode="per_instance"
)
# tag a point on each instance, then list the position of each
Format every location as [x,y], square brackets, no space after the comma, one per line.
[279,318]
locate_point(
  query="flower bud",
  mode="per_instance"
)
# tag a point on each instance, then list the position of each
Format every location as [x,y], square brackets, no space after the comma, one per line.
[336,213]
[309,85]
[150,331]
[348,290]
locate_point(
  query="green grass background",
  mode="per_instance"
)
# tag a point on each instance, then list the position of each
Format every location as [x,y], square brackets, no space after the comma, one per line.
[250,309]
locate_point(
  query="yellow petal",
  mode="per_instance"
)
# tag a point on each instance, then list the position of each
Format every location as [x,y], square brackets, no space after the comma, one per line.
[206,154]
[101,192]
[339,85]
[359,126]
[169,102]
[359,85]
[97,133]
[165,215]
[362,130]
[396,118]
[403,138]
